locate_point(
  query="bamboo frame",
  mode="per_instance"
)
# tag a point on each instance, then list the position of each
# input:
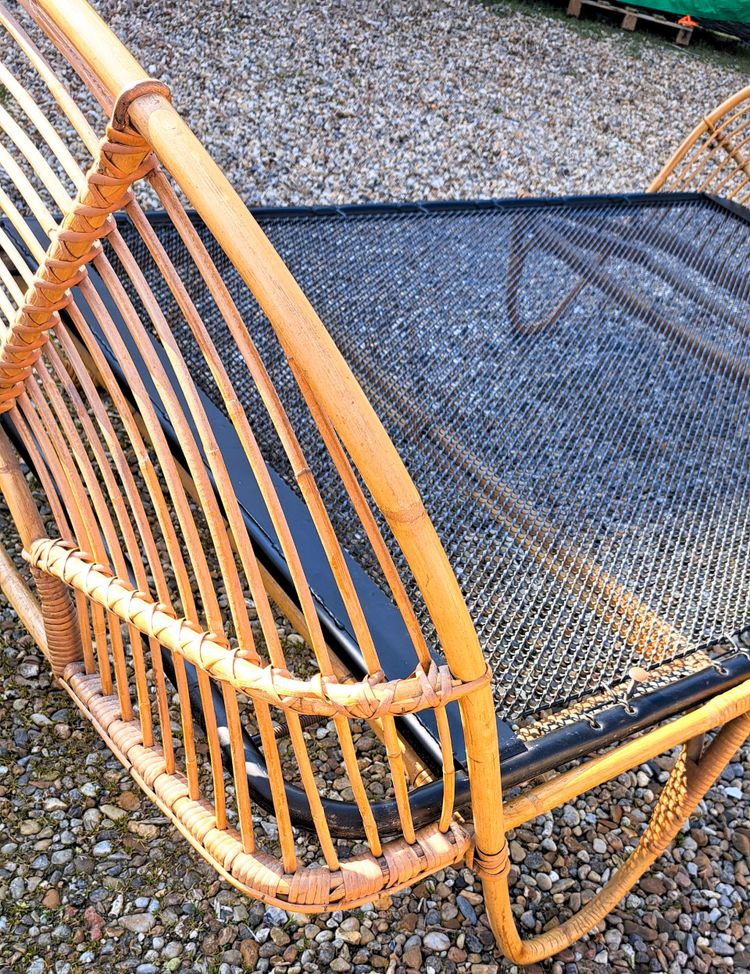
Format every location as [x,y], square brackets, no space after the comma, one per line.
[39,412]
[21,598]
[715,156]
[122,506]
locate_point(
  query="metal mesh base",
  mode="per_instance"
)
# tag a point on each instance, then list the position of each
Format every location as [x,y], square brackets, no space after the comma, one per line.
[567,385]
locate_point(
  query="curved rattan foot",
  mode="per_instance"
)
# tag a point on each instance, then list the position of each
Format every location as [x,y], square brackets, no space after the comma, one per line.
[687,785]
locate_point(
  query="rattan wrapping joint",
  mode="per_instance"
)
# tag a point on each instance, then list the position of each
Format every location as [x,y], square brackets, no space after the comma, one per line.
[371,697]
[122,158]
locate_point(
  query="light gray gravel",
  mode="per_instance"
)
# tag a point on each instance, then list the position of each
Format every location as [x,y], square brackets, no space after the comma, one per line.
[341,102]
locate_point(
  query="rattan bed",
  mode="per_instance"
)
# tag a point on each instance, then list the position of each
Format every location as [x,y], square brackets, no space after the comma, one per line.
[211,461]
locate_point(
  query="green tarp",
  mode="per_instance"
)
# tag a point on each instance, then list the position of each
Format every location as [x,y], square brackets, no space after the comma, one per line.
[734,10]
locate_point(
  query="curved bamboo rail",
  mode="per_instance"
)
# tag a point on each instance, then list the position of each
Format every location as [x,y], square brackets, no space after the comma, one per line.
[367,699]
[717,148]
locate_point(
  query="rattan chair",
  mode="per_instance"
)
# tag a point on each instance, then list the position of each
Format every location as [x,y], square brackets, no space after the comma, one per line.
[157,598]
[715,156]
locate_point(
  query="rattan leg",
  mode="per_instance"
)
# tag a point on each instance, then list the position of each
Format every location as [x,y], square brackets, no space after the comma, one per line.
[17,592]
[687,785]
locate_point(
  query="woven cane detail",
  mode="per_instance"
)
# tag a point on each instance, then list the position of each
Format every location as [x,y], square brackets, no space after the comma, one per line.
[126,736]
[436,845]
[63,635]
[223,846]
[372,697]
[403,862]
[105,711]
[149,86]
[123,157]
[362,877]
[670,810]
[198,816]
[149,764]
[310,886]
[260,871]
[491,863]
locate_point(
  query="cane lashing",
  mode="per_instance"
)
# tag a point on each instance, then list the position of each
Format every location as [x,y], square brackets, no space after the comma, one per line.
[123,157]
[62,635]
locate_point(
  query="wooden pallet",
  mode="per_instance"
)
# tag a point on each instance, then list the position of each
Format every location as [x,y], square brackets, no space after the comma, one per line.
[631,16]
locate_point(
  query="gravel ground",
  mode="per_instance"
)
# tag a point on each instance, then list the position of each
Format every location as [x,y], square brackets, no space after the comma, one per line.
[332,102]
[341,102]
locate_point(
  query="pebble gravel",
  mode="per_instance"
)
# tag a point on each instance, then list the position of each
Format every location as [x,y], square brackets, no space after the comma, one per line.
[341,102]
[345,102]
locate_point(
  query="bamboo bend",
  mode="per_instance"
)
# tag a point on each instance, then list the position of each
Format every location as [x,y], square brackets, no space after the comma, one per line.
[128,593]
